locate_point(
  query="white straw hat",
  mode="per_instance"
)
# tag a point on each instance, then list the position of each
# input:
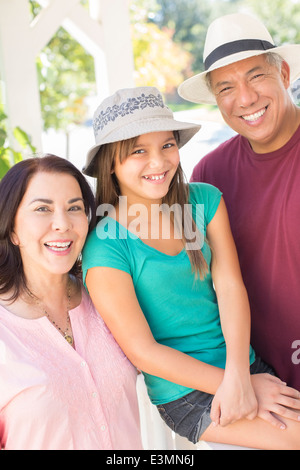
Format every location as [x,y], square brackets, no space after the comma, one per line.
[232,38]
[130,113]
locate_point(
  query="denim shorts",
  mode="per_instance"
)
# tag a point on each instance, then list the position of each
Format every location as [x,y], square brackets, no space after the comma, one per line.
[189,416]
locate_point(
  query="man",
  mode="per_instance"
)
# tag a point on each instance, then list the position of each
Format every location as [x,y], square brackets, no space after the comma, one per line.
[258,171]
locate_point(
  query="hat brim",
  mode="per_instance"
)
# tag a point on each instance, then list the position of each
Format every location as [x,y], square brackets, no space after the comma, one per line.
[195,89]
[186,132]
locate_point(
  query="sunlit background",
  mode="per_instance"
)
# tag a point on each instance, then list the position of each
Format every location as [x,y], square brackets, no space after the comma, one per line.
[166,40]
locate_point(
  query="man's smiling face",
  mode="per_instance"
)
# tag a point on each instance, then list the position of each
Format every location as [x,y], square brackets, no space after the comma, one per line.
[253,99]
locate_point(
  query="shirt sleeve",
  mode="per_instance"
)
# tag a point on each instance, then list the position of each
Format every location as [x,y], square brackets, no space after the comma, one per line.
[208,196]
[105,248]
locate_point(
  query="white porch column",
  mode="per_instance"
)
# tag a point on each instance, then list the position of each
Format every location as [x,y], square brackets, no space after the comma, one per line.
[18,69]
[107,38]
[113,15]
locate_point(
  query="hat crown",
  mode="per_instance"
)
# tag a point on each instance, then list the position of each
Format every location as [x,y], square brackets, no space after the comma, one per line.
[132,112]
[128,106]
[235,27]
[230,39]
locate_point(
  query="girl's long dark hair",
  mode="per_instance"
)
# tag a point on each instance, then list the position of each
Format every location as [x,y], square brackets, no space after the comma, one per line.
[12,189]
[108,192]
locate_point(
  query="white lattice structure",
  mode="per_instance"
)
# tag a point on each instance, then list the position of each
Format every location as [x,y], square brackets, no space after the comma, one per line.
[104,32]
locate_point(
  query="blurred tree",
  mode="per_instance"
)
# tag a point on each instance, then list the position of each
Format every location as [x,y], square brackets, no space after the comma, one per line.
[281,17]
[9,155]
[14,143]
[159,61]
[190,21]
[66,77]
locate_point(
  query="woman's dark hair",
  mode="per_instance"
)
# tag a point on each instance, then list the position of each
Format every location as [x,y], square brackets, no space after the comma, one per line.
[12,189]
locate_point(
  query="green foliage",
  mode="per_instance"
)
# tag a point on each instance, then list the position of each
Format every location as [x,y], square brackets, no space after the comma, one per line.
[159,60]
[157,23]
[8,155]
[34,8]
[190,20]
[66,77]
[168,40]
[281,17]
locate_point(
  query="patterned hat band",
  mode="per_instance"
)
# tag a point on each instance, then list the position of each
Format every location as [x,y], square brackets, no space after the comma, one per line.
[128,107]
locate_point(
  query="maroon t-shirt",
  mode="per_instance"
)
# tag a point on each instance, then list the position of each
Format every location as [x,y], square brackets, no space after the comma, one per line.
[262,194]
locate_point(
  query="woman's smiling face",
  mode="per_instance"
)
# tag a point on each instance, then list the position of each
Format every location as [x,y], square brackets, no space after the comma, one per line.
[50,224]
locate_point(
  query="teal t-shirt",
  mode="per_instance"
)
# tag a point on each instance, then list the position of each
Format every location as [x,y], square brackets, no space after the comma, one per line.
[182,311]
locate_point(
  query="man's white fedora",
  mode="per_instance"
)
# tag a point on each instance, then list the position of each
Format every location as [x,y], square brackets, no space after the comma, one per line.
[230,39]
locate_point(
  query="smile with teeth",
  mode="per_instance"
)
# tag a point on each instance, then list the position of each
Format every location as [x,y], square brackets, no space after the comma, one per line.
[255,116]
[155,177]
[58,246]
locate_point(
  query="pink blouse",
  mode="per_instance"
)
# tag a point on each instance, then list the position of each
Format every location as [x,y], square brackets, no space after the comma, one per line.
[55,397]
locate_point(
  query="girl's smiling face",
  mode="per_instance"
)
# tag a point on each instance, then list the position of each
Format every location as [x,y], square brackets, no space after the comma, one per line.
[50,224]
[145,175]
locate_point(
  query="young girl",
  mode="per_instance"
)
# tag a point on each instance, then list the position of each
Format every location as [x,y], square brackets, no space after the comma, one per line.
[162,268]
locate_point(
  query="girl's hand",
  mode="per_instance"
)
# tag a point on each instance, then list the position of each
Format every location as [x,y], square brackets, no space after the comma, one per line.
[235,399]
[275,400]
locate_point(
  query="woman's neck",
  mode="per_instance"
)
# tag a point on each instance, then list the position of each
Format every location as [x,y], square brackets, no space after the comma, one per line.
[48,288]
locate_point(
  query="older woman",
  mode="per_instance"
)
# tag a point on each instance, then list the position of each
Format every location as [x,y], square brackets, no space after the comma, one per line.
[65,384]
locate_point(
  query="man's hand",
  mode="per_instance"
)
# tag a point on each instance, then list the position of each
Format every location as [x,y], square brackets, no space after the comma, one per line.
[275,400]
